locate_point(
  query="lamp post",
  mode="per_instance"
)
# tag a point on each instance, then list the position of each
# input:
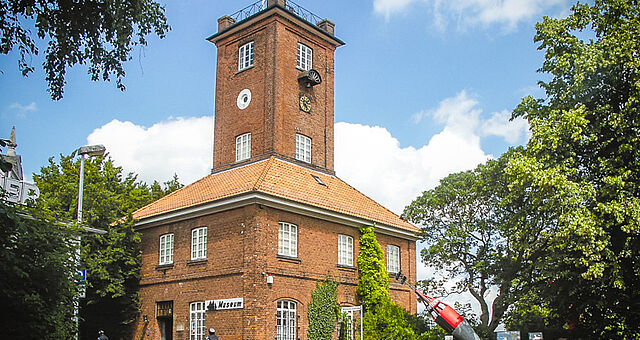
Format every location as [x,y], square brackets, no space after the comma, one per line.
[90,151]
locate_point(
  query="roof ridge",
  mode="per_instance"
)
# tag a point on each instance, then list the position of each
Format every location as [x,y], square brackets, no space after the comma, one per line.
[374,201]
[173,193]
[264,173]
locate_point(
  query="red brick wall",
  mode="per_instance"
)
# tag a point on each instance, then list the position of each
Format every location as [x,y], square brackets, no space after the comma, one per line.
[273,117]
[242,247]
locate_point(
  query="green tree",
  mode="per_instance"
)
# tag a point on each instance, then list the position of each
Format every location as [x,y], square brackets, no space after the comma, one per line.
[38,289]
[323,310]
[98,32]
[583,161]
[382,319]
[112,260]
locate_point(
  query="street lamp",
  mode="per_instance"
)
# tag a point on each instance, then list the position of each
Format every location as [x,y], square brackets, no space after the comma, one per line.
[90,151]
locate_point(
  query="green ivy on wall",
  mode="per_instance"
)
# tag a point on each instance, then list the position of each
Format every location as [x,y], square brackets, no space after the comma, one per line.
[323,310]
[383,319]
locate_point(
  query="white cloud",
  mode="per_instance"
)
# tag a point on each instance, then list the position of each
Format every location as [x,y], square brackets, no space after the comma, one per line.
[22,110]
[178,145]
[512,131]
[388,7]
[371,159]
[473,12]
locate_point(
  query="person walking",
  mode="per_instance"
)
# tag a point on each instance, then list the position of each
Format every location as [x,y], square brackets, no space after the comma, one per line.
[212,334]
[102,336]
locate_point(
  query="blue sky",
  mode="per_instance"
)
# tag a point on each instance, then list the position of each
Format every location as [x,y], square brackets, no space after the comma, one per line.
[423,88]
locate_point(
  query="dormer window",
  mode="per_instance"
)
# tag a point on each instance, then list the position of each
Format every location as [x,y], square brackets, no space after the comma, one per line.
[305,57]
[245,56]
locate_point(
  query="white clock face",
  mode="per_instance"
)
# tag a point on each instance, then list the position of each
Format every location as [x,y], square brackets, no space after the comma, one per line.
[244,99]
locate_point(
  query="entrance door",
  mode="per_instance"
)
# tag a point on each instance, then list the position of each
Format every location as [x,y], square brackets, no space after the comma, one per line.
[166,328]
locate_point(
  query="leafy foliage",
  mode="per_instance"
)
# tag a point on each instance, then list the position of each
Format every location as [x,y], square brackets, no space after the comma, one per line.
[112,260]
[482,235]
[99,32]
[323,310]
[583,164]
[382,319]
[38,269]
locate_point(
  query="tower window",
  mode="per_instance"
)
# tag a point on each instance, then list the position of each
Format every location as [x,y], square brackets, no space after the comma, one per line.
[393,259]
[245,56]
[305,57]
[243,147]
[303,148]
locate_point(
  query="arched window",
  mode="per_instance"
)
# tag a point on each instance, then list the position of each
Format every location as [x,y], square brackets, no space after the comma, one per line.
[286,325]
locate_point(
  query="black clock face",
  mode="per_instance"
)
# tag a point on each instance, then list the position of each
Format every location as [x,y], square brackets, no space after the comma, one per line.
[305,103]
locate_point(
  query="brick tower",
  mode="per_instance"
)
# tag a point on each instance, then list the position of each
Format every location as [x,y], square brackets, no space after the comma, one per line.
[274,89]
[241,250]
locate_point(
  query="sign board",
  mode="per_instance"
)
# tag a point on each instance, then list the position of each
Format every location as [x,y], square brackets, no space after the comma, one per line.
[16,191]
[351,309]
[448,337]
[225,304]
[535,336]
[508,335]
[82,275]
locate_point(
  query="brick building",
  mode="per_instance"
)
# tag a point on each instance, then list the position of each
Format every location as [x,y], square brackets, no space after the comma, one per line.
[241,250]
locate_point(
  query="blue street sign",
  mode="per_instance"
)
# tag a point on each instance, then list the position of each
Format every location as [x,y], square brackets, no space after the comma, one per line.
[82,274]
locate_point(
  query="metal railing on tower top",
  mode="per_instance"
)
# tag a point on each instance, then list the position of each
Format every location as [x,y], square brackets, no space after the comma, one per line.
[291,6]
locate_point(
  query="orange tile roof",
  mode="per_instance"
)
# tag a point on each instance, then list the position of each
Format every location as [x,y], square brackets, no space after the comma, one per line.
[282,179]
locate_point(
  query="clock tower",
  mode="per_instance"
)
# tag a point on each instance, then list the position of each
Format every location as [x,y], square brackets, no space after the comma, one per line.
[274,87]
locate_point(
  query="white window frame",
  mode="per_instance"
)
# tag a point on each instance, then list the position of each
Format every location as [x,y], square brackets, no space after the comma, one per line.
[245,56]
[287,239]
[393,258]
[286,320]
[196,320]
[199,243]
[166,249]
[243,147]
[304,57]
[303,148]
[345,250]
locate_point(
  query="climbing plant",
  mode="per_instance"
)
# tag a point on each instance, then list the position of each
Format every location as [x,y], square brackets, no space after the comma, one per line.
[383,319]
[323,310]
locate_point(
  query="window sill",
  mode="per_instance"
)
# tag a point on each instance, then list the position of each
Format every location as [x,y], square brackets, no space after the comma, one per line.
[244,69]
[301,69]
[197,261]
[164,266]
[290,259]
[347,267]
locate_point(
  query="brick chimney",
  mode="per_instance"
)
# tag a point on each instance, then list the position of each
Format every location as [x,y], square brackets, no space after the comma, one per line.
[327,26]
[225,22]
[282,3]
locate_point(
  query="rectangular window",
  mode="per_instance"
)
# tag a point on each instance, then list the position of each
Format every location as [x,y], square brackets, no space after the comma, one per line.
[393,259]
[304,58]
[286,325]
[199,243]
[287,239]
[196,321]
[243,147]
[245,56]
[345,250]
[303,148]
[166,249]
